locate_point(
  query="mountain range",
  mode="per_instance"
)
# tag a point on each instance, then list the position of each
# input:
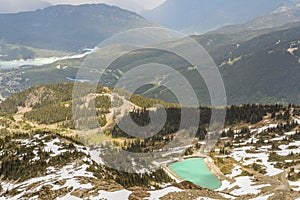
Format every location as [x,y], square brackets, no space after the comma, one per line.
[201,16]
[282,17]
[261,69]
[254,70]
[254,63]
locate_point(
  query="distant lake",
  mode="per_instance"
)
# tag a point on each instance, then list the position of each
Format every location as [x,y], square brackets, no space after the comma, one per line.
[196,171]
[37,61]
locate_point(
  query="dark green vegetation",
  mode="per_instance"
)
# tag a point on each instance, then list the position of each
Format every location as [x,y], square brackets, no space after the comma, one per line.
[259,70]
[235,115]
[21,161]
[267,137]
[18,160]
[50,114]
[38,97]
[293,176]
[67,27]
[53,104]
[24,153]
[131,179]
[58,112]
[46,100]
[49,104]
[256,67]
[259,64]
[250,114]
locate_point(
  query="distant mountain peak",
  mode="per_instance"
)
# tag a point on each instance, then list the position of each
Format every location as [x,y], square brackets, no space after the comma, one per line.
[282,9]
[201,16]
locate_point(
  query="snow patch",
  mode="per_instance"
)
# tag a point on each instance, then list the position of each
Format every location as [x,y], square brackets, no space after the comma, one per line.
[246,186]
[121,194]
[296,185]
[154,195]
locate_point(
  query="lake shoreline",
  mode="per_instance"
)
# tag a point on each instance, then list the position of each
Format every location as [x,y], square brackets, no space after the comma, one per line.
[208,162]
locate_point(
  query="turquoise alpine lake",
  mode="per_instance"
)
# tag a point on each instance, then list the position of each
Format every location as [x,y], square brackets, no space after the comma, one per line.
[196,171]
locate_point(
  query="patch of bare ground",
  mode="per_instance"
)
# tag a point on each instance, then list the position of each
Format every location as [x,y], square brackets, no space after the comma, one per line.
[60,182]
[286,195]
[22,110]
[98,184]
[40,95]
[45,193]
[192,195]
[215,169]
[191,191]
[138,193]
[84,193]
[33,186]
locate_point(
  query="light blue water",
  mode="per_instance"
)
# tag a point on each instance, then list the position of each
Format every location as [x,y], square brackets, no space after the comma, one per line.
[196,171]
[36,62]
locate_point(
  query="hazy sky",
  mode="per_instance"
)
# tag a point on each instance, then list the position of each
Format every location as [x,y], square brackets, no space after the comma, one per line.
[134,5]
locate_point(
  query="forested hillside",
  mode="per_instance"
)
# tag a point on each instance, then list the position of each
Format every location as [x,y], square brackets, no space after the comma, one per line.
[67,27]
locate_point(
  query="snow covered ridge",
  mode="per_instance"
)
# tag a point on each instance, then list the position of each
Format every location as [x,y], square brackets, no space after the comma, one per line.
[56,168]
[283,9]
[50,164]
[264,156]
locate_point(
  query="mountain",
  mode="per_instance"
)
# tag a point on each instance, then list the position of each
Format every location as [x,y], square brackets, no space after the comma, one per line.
[8,6]
[67,27]
[256,67]
[260,68]
[201,16]
[263,69]
[44,157]
[46,150]
[283,16]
